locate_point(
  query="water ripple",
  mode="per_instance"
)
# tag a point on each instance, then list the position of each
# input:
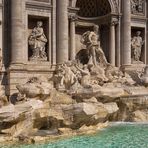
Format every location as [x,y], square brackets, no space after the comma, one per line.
[116,136]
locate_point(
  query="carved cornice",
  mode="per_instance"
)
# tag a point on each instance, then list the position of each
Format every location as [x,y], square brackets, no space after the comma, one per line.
[73,10]
[43,1]
[38,5]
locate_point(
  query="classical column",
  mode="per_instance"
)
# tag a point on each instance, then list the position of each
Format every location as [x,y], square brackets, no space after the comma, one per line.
[112,44]
[17,55]
[72,37]
[118,45]
[126,51]
[62,31]
[53,50]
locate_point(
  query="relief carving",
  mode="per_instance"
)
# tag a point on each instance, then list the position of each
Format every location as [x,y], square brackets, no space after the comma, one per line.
[137,6]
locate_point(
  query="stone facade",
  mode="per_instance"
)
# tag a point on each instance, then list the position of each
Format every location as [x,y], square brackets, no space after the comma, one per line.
[63,23]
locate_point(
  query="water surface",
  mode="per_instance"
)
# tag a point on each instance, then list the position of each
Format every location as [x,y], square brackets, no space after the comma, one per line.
[115,136]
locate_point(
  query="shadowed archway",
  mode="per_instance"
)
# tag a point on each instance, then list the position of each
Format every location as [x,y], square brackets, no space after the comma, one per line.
[95,12]
[113,4]
[93,8]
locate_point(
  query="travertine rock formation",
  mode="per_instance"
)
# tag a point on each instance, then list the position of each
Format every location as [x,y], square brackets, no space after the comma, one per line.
[57,111]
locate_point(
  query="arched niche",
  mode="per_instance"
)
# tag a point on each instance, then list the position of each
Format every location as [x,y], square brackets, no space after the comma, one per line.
[113,5]
[93,8]
[95,12]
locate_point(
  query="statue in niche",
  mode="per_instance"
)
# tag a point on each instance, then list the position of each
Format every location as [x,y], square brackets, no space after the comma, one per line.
[136,46]
[96,54]
[37,42]
[137,6]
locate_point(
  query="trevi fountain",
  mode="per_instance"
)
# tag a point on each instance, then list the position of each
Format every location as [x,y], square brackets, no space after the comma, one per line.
[91,92]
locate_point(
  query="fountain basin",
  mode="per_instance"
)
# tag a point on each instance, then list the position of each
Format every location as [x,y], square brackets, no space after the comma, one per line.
[123,135]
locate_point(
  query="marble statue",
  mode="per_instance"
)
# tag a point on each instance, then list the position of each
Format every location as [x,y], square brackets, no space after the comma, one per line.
[136,46]
[37,42]
[97,71]
[59,77]
[69,76]
[144,76]
[64,77]
[85,79]
[91,40]
[3,99]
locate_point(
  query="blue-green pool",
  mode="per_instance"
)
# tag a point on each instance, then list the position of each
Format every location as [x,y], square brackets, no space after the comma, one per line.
[115,136]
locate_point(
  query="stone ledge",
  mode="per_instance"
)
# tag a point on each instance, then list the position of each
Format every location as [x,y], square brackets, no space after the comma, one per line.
[133,67]
[39,5]
[32,66]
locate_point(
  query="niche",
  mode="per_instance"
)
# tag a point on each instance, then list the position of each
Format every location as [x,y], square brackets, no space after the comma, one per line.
[32,23]
[134,32]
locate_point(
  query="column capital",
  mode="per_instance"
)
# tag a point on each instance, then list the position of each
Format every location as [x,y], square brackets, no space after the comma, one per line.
[114,21]
[73,17]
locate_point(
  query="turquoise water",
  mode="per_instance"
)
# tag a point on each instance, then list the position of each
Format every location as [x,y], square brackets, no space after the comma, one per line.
[116,136]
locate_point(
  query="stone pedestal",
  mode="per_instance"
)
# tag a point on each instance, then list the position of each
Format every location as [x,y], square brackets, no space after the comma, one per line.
[20,73]
[133,67]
